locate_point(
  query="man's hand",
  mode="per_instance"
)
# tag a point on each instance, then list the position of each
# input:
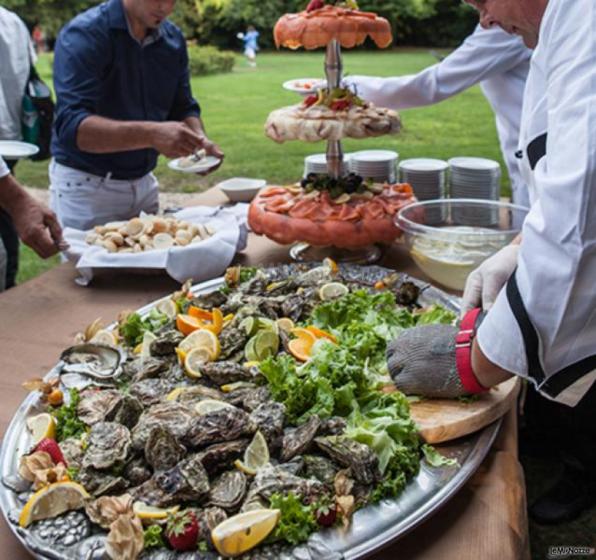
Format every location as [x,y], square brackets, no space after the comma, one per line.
[36,225]
[421,361]
[176,139]
[484,284]
[214,150]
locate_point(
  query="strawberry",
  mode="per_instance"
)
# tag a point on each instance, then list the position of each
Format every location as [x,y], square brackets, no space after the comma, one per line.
[310,100]
[340,104]
[315,5]
[326,515]
[182,531]
[52,449]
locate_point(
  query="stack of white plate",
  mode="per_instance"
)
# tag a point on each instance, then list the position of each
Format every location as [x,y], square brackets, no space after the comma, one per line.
[317,163]
[473,177]
[428,178]
[378,165]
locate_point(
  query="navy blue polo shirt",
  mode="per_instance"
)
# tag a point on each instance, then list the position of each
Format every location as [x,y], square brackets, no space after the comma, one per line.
[101,69]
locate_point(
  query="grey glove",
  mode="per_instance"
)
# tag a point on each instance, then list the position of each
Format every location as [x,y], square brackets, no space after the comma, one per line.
[421,361]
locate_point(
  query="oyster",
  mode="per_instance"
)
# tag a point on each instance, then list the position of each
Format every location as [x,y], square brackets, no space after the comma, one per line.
[256,397]
[232,340]
[150,391]
[407,293]
[185,482]
[226,372]
[194,394]
[334,426]
[95,405]
[210,300]
[293,307]
[321,468]
[274,479]
[269,419]
[220,454]
[176,417]
[297,440]
[73,451]
[166,343]
[125,411]
[162,450]
[145,368]
[220,425]
[349,453]
[94,360]
[137,471]
[228,490]
[100,483]
[108,446]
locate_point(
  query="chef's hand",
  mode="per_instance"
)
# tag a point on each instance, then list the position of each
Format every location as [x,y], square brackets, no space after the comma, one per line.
[484,283]
[37,226]
[421,361]
[175,139]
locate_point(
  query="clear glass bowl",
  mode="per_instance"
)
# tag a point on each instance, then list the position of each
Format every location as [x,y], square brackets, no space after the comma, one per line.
[448,238]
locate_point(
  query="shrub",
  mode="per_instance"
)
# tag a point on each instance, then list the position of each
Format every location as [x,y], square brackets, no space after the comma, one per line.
[209,60]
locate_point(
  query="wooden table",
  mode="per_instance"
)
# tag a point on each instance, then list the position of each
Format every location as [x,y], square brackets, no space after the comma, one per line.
[487,518]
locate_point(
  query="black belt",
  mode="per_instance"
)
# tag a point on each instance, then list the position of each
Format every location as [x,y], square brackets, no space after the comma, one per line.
[96,172]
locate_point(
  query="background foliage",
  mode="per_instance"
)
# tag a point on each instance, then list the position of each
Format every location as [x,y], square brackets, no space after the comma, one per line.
[415,22]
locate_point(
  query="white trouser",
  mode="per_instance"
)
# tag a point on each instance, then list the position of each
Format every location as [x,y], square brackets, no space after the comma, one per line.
[3,265]
[82,200]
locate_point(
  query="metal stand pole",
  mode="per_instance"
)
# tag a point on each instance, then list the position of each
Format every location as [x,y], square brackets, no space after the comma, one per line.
[333,73]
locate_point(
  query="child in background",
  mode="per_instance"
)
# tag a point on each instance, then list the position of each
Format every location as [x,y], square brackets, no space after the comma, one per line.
[251,47]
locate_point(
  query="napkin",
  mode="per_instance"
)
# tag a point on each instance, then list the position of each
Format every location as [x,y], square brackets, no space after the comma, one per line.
[199,261]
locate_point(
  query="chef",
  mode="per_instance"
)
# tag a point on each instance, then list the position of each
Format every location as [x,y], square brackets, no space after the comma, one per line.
[497,60]
[123,97]
[542,324]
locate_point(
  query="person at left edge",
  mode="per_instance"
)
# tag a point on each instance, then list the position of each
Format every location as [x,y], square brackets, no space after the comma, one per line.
[123,97]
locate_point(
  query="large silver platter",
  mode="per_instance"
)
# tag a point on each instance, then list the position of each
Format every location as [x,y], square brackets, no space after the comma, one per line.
[372,527]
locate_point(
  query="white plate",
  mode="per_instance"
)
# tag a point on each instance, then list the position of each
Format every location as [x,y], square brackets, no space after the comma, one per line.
[423,165]
[474,163]
[206,163]
[304,85]
[13,149]
[374,156]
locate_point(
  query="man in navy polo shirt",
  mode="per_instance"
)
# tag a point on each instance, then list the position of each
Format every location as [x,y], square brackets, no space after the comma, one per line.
[123,97]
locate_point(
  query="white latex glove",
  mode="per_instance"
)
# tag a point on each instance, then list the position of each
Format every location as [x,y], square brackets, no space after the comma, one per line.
[485,282]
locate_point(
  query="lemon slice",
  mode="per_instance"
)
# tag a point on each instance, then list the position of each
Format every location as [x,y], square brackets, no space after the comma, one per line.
[210,405]
[238,534]
[42,426]
[285,324]
[229,387]
[104,336]
[148,338]
[167,307]
[53,500]
[201,338]
[255,456]
[194,360]
[144,511]
[333,290]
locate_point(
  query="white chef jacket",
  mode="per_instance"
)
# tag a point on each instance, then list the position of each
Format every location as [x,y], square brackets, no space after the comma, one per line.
[543,323]
[4,171]
[16,55]
[495,59]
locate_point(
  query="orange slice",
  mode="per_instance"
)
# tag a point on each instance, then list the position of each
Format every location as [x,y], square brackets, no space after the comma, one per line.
[199,313]
[187,323]
[320,333]
[300,349]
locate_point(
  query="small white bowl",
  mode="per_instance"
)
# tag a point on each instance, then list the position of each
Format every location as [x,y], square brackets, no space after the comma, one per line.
[241,189]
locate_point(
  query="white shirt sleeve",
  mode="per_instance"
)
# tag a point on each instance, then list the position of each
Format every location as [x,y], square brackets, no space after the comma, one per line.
[4,171]
[543,325]
[483,54]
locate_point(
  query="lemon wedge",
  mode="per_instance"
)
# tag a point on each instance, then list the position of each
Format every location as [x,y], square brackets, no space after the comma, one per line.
[148,338]
[52,501]
[175,393]
[333,290]
[104,336]
[42,426]
[255,456]
[168,308]
[238,534]
[194,360]
[210,405]
[285,324]
[145,511]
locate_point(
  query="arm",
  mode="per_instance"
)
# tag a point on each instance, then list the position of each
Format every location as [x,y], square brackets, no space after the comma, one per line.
[36,225]
[485,53]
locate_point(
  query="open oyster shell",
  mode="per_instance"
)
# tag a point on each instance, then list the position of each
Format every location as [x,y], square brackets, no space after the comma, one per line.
[93,360]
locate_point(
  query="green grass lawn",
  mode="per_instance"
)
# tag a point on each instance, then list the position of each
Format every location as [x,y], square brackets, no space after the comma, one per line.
[235,107]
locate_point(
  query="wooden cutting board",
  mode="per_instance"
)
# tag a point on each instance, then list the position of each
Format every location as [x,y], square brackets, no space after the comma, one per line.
[446,419]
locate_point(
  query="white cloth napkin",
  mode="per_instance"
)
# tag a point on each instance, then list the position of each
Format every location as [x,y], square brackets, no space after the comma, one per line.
[199,261]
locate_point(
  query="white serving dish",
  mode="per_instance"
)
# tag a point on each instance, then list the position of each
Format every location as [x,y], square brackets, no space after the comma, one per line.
[13,149]
[241,189]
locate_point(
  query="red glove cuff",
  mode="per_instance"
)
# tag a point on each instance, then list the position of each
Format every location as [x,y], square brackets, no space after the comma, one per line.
[463,352]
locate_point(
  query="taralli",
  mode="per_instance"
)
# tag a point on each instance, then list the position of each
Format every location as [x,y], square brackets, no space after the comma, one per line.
[146,234]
